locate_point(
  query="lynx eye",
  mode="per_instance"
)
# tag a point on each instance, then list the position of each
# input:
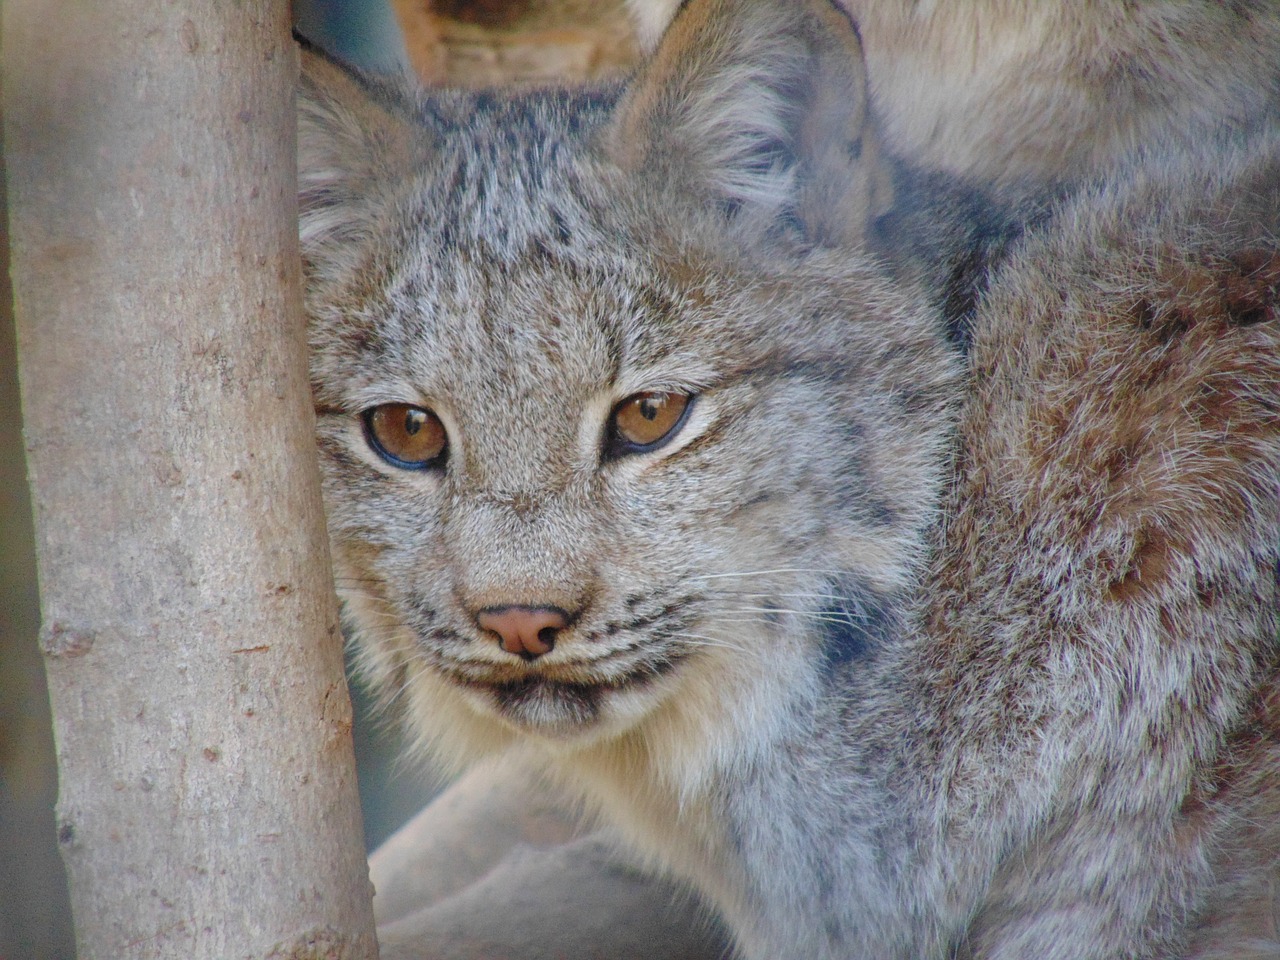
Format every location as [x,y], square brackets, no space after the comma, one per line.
[408,437]
[645,421]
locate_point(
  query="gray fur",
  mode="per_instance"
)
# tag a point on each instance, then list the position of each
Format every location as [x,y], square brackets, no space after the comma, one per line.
[1017,94]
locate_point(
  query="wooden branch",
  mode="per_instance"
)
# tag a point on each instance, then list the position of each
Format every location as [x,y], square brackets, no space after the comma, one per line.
[483,43]
[208,804]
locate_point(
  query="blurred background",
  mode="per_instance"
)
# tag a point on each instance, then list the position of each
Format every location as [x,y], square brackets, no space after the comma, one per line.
[459,42]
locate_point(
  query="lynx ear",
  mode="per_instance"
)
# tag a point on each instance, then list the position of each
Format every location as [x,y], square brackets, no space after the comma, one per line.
[357,143]
[759,109]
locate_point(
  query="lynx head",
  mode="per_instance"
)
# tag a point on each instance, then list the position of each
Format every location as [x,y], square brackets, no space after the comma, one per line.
[617,426]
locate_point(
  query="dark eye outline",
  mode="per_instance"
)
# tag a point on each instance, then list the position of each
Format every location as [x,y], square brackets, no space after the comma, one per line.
[617,446]
[371,438]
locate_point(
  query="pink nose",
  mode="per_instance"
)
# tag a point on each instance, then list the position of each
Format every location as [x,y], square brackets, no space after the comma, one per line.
[528,632]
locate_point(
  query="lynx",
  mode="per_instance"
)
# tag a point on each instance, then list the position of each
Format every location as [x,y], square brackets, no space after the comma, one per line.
[649,454]
[1020,94]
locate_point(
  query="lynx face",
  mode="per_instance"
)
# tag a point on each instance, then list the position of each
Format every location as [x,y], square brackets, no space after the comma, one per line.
[557,484]
[607,433]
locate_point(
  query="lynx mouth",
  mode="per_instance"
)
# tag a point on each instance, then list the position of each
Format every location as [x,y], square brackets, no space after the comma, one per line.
[538,702]
[542,701]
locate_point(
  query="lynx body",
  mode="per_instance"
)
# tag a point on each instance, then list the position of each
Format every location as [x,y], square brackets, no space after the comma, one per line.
[639,459]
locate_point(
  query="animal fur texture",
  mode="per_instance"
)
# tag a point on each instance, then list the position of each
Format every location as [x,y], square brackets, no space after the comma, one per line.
[1017,94]
[887,651]
[1106,579]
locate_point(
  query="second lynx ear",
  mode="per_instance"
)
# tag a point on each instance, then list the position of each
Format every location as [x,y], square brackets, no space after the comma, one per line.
[760,108]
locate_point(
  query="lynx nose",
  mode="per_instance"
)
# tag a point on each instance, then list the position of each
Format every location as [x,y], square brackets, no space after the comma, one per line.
[528,632]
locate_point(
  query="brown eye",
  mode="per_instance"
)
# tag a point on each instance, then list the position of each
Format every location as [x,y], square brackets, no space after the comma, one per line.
[645,421]
[408,437]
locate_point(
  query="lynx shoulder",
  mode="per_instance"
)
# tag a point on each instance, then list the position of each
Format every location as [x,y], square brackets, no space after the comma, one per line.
[639,460]
[1107,578]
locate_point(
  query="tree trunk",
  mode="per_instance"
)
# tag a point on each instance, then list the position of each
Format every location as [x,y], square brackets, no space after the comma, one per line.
[207,801]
